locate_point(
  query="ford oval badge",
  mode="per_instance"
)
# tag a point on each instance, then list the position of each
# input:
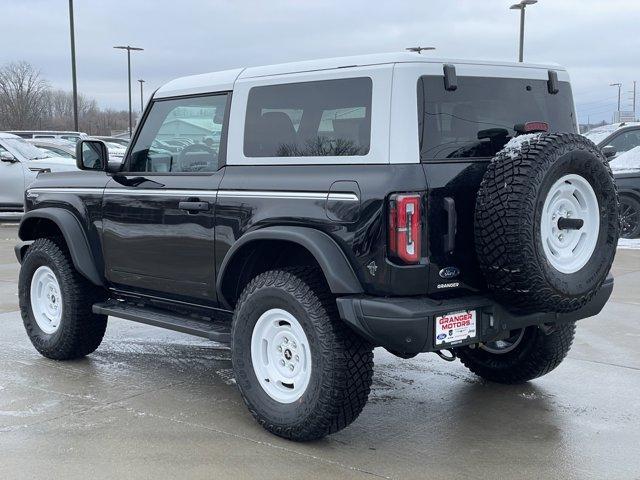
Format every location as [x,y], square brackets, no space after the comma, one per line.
[449,272]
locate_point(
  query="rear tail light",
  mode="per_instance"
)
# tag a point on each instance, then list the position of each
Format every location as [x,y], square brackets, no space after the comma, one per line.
[405,231]
[532,127]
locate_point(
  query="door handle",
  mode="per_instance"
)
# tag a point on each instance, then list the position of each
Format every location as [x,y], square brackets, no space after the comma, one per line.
[194,206]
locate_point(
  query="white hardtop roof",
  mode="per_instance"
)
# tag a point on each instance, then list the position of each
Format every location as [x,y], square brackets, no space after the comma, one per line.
[224,80]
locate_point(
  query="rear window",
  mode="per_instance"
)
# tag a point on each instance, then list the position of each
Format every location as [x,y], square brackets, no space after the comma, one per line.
[478,118]
[322,118]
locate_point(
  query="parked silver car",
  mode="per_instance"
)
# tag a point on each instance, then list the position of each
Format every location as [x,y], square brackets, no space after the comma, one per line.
[20,163]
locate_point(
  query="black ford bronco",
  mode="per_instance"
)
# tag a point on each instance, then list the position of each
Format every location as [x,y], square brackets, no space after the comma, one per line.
[306,213]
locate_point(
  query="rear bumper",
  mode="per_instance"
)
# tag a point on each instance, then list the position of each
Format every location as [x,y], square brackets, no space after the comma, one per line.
[405,325]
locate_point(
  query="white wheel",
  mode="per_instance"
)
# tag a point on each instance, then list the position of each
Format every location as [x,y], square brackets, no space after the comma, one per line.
[46,300]
[507,345]
[281,356]
[568,249]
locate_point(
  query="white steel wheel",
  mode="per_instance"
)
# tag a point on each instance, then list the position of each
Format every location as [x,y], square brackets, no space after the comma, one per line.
[46,300]
[570,198]
[280,355]
[500,347]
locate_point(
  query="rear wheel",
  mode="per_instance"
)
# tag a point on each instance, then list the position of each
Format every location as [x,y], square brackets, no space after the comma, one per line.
[629,217]
[526,354]
[301,371]
[56,301]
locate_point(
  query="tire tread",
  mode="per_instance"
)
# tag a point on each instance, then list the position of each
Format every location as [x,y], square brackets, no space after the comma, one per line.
[82,330]
[348,362]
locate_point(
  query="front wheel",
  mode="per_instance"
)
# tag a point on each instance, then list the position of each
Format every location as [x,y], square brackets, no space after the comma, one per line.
[526,354]
[56,301]
[301,371]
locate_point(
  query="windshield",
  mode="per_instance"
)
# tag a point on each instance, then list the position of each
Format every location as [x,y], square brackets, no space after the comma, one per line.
[479,117]
[597,135]
[56,152]
[123,143]
[114,146]
[25,149]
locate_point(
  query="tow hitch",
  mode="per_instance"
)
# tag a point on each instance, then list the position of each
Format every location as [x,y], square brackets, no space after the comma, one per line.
[451,357]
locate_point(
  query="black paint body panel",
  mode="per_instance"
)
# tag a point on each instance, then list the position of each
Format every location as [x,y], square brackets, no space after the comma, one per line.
[361,235]
[628,184]
[144,243]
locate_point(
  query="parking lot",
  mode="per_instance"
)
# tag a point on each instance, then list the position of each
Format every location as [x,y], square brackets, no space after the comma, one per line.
[151,403]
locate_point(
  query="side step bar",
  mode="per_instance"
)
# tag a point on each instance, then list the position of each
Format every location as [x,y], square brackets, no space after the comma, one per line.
[215,330]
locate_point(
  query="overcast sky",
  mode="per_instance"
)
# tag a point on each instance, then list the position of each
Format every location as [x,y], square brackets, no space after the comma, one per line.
[597,40]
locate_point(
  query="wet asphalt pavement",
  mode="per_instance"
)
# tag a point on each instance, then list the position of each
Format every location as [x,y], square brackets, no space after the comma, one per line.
[150,403]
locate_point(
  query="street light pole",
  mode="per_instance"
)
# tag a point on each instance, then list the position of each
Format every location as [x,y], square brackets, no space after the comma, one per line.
[522,6]
[141,97]
[634,100]
[73,68]
[619,85]
[128,48]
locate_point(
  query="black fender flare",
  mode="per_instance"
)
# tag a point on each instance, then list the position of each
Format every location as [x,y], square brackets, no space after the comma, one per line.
[74,236]
[629,192]
[337,270]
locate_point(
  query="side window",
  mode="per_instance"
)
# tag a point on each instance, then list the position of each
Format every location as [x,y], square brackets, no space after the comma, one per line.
[321,118]
[180,135]
[626,141]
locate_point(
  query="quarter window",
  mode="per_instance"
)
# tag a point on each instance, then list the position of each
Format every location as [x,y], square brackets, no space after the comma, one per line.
[181,135]
[309,119]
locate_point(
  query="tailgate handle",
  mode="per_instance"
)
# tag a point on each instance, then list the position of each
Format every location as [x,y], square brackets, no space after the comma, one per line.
[194,206]
[452,224]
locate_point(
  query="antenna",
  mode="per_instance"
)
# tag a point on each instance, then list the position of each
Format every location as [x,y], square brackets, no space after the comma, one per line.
[419,49]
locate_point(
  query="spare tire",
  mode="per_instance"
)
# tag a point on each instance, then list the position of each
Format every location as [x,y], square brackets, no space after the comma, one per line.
[546,222]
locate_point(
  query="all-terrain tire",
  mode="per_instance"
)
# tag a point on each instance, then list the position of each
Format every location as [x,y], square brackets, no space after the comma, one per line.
[509,223]
[537,354]
[80,331]
[342,362]
[629,217]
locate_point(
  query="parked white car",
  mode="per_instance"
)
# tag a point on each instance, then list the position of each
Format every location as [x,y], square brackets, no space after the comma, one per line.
[20,163]
[116,151]
[59,134]
[55,147]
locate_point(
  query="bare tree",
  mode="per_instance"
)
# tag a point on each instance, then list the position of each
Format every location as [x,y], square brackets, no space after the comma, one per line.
[22,96]
[27,103]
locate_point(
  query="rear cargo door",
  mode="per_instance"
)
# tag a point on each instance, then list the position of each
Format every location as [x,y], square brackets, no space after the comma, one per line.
[460,130]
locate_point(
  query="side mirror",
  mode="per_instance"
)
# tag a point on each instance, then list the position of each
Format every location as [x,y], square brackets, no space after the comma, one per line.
[92,155]
[7,157]
[609,151]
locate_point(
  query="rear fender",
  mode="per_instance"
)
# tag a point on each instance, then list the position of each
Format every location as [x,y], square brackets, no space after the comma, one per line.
[334,264]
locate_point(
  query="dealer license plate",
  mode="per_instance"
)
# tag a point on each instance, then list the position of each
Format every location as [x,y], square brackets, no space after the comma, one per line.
[455,327]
